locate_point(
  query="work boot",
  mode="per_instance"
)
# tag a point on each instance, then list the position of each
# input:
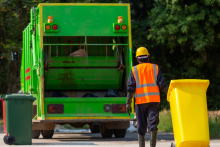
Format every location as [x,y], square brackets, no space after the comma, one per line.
[153,138]
[141,140]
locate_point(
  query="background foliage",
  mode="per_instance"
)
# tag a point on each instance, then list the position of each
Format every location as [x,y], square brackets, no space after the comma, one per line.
[182,37]
[189,32]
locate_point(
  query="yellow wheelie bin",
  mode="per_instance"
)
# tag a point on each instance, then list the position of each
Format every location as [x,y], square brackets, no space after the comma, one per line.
[189,113]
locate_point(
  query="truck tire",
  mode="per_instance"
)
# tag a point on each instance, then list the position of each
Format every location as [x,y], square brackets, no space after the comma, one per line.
[106,133]
[120,133]
[94,128]
[35,134]
[47,133]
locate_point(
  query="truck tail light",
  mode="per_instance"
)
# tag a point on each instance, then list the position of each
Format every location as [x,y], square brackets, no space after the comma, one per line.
[124,27]
[115,108]
[47,27]
[55,27]
[118,108]
[55,108]
[117,27]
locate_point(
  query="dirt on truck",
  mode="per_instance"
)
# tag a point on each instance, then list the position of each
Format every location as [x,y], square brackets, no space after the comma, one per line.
[70,52]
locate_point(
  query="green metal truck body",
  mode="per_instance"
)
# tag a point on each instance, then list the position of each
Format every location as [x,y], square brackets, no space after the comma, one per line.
[47,67]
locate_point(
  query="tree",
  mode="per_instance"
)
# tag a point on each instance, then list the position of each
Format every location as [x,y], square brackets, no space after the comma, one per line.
[181,35]
[14,17]
[189,30]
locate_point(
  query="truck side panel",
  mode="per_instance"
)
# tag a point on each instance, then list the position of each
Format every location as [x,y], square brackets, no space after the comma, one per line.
[26,53]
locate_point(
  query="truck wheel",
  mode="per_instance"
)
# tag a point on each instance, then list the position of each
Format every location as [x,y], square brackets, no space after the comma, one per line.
[10,140]
[106,133]
[120,133]
[47,133]
[94,128]
[35,134]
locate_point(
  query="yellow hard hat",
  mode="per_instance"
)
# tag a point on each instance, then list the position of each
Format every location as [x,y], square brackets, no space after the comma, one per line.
[141,51]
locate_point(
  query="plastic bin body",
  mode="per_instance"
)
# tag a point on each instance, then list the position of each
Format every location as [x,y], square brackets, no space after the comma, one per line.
[188,106]
[3,112]
[18,117]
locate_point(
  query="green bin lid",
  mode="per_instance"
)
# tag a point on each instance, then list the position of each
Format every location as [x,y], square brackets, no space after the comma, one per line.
[17,97]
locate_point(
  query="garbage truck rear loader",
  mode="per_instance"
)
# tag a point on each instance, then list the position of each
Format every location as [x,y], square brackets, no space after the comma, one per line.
[72,49]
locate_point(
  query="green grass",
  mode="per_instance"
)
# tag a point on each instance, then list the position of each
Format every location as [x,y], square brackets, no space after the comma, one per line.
[214,127]
[166,124]
[1,122]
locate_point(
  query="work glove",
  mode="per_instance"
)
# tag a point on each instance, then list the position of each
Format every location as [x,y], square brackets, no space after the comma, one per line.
[165,90]
[128,107]
[128,103]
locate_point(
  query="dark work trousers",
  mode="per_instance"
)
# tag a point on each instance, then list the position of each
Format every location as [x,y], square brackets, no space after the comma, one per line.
[148,111]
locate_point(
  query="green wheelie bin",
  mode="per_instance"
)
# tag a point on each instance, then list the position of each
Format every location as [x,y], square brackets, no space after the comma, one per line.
[18,118]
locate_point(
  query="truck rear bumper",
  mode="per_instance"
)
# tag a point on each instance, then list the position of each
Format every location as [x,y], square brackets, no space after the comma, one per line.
[79,123]
[79,120]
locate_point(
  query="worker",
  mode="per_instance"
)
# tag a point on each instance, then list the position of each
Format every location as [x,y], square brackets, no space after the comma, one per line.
[145,80]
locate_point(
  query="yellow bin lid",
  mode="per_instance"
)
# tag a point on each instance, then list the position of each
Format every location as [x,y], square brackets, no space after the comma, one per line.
[182,82]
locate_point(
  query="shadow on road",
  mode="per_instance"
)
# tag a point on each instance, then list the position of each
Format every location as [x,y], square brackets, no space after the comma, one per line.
[63,143]
[88,137]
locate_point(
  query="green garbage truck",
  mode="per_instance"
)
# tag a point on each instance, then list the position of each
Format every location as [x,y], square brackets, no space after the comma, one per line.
[70,51]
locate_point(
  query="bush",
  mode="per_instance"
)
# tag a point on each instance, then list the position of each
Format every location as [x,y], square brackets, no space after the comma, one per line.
[1,122]
[1,115]
[67,126]
[86,126]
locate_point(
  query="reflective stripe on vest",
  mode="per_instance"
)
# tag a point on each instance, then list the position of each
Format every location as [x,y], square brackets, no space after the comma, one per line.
[138,85]
[147,92]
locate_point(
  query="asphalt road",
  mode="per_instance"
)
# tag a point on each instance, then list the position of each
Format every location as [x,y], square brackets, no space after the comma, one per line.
[92,140]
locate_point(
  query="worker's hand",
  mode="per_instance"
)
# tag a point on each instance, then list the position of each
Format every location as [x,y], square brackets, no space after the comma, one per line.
[128,102]
[128,107]
[165,90]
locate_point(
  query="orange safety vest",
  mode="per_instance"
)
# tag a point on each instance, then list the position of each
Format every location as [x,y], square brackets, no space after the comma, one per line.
[145,75]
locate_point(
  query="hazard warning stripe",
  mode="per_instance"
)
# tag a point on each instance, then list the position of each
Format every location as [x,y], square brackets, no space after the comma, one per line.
[27,70]
[27,78]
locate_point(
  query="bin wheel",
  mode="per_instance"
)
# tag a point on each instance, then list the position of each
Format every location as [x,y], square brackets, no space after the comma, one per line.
[5,138]
[173,144]
[35,134]
[120,133]
[94,128]
[47,133]
[106,133]
[10,140]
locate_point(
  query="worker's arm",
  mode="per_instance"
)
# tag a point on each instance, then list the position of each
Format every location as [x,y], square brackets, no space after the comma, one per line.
[131,84]
[161,82]
[131,87]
